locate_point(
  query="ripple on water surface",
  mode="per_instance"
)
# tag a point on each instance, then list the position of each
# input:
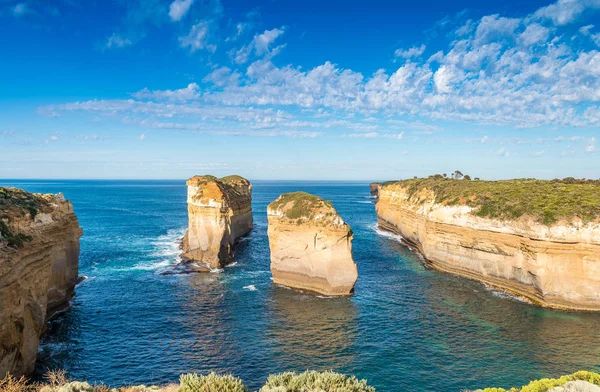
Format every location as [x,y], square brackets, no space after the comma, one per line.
[407,328]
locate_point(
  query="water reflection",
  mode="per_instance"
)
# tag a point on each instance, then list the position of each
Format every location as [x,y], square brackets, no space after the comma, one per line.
[311,332]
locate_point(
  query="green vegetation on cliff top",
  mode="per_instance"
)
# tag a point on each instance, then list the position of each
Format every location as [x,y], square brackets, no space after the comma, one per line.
[17,202]
[300,205]
[309,381]
[546,384]
[543,200]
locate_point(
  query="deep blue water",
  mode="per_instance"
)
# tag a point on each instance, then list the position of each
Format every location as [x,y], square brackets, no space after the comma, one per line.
[406,328]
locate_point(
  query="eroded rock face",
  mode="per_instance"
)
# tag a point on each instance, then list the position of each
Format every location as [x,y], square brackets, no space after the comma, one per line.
[556,266]
[219,212]
[39,259]
[374,188]
[311,246]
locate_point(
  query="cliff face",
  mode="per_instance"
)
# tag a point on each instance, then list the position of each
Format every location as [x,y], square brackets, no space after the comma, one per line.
[374,188]
[219,212]
[39,255]
[311,246]
[554,265]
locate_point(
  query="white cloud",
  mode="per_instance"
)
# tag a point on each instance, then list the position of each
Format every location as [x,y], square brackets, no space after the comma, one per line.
[198,38]
[142,136]
[192,91]
[591,146]
[368,135]
[533,34]
[410,53]
[260,45]
[494,27]
[179,8]
[539,153]
[117,41]
[222,77]
[503,153]
[443,79]
[484,140]
[563,12]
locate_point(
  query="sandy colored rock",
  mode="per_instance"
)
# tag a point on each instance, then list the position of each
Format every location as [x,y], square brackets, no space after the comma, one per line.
[556,266]
[39,258]
[219,212]
[311,245]
[374,189]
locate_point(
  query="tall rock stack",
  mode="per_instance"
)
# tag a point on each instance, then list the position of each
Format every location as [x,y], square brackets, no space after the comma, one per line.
[39,262]
[219,212]
[311,245]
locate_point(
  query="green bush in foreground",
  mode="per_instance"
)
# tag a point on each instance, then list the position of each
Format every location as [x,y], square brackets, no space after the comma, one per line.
[545,384]
[211,383]
[311,381]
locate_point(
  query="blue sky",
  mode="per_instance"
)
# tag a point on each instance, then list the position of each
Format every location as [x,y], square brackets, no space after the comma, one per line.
[299,90]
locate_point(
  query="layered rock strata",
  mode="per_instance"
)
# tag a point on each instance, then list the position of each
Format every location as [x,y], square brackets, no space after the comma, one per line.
[219,212]
[555,265]
[311,245]
[39,257]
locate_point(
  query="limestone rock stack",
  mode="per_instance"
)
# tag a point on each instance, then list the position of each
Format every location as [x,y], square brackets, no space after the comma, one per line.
[219,212]
[311,246]
[39,260]
[554,265]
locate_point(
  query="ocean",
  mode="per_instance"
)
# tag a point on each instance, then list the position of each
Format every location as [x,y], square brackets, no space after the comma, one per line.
[407,328]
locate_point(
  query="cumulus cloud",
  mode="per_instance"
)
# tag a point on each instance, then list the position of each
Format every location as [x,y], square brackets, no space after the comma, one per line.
[198,38]
[563,12]
[410,53]
[179,8]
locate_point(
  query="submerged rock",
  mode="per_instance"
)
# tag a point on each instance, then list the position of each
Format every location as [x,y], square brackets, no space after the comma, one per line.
[39,263]
[219,212]
[311,245]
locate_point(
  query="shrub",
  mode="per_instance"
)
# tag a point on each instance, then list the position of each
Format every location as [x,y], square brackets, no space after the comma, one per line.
[312,381]
[545,201]
[211,383]
[13,384]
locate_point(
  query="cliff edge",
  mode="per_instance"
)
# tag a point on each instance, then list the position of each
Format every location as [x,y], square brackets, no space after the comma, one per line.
[219,212]
[311,245]
[535,239]
[39,260]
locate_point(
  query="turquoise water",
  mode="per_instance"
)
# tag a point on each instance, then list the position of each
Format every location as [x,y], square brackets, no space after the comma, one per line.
[406,328]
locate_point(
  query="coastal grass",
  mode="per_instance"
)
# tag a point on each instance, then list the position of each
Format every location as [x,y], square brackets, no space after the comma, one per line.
[211,383]
[312,381]
[546,201]
[309,381]
[300,205]
[17,202]
[546,384]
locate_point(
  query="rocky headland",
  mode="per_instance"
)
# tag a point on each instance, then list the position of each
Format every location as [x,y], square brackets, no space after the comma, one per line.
[535,239]
[374,188]
[39,260]
[219,212]
[311,245]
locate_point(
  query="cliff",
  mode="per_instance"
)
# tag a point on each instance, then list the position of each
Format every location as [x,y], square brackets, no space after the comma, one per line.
[39,252]
[374,189]
[219,212]
[311,246]
[535,239]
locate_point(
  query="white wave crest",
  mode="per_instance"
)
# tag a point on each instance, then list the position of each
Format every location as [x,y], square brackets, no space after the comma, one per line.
[251,287]
[385,233]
